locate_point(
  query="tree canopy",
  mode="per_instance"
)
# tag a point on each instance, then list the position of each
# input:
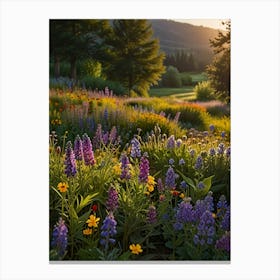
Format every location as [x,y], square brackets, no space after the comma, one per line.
[219,71]
[135,57]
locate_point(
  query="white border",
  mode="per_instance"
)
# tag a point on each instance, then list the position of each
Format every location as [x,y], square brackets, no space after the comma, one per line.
[24,138]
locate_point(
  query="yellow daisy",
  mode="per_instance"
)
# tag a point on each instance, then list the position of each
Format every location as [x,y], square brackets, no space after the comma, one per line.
[93,221]
[87,231]
[135,249]
[62,187]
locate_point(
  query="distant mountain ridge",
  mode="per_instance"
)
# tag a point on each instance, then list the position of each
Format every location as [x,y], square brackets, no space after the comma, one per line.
[175,35]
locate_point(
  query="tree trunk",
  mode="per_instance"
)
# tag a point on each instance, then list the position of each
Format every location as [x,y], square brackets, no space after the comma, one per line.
[73,68]
[56,67]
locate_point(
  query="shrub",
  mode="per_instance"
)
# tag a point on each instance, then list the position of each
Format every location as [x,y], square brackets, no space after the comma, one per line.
[93,83]
[186,79]
[171,78]
[204,91]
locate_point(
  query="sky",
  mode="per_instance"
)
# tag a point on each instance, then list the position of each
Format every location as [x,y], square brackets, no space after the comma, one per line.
[213,23]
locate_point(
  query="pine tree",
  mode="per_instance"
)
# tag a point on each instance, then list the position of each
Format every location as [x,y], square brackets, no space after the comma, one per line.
[71,40]
[219,71]
[136,60]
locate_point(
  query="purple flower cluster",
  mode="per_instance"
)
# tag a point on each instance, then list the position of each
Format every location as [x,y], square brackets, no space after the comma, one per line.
[182,161]
[192,152]
[211,127]
[170,178]
[59,237]
[212,152]
[221,149]
[224,242]
[160,186]
[222,206]
[144,167]
[113,136]
[200,185]
[108,231]
[228,152]
[179,143]
[205,229]
[184,214]
[112,202]
[98,138]
[78,148]
[225,223]
[135,148]
[152,215]
[125,174]
[171,142]
[203,205]
[87,151]
[198,163]
[70,162]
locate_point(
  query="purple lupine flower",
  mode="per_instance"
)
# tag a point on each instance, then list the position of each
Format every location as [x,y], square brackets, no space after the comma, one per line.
[228,152]
[170,178]
[225,223]
[160,186]
[203,205]
[108,231]
[152,215]
[98,138]
[70,162]
[223,134]
[211,127]
[78,148]
[171,142]
[184,214]
[125,167]
[171,161]
[144,167]
[221,148]
[105,138]
[112,202]
[200,185]
[222,206]
[113,135]
[182,162]
[59,237]
[183,185]
[212,152]
[192,152]
[205,229]
[179,143]
[224,242]
[135,148]
[198,163]
[87,151]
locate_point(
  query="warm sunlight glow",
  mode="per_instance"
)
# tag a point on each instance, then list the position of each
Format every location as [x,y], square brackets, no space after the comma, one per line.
[212,23]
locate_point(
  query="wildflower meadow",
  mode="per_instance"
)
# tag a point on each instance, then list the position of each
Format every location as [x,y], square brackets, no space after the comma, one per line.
[127,183]
[137,171]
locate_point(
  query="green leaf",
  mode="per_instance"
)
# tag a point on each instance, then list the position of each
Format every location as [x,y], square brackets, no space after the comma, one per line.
[188,180]
[58,193]
[85,201]
[125,256]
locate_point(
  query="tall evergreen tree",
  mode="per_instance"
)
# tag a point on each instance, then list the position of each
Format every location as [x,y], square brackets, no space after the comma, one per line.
[136,60]
[219,71]
[71,40]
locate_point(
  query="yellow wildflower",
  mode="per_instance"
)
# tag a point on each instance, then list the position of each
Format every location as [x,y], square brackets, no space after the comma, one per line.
[135,249]
[62,187]
[182,195]
[87,231]
[93,221]
[117,169]
[151,183]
